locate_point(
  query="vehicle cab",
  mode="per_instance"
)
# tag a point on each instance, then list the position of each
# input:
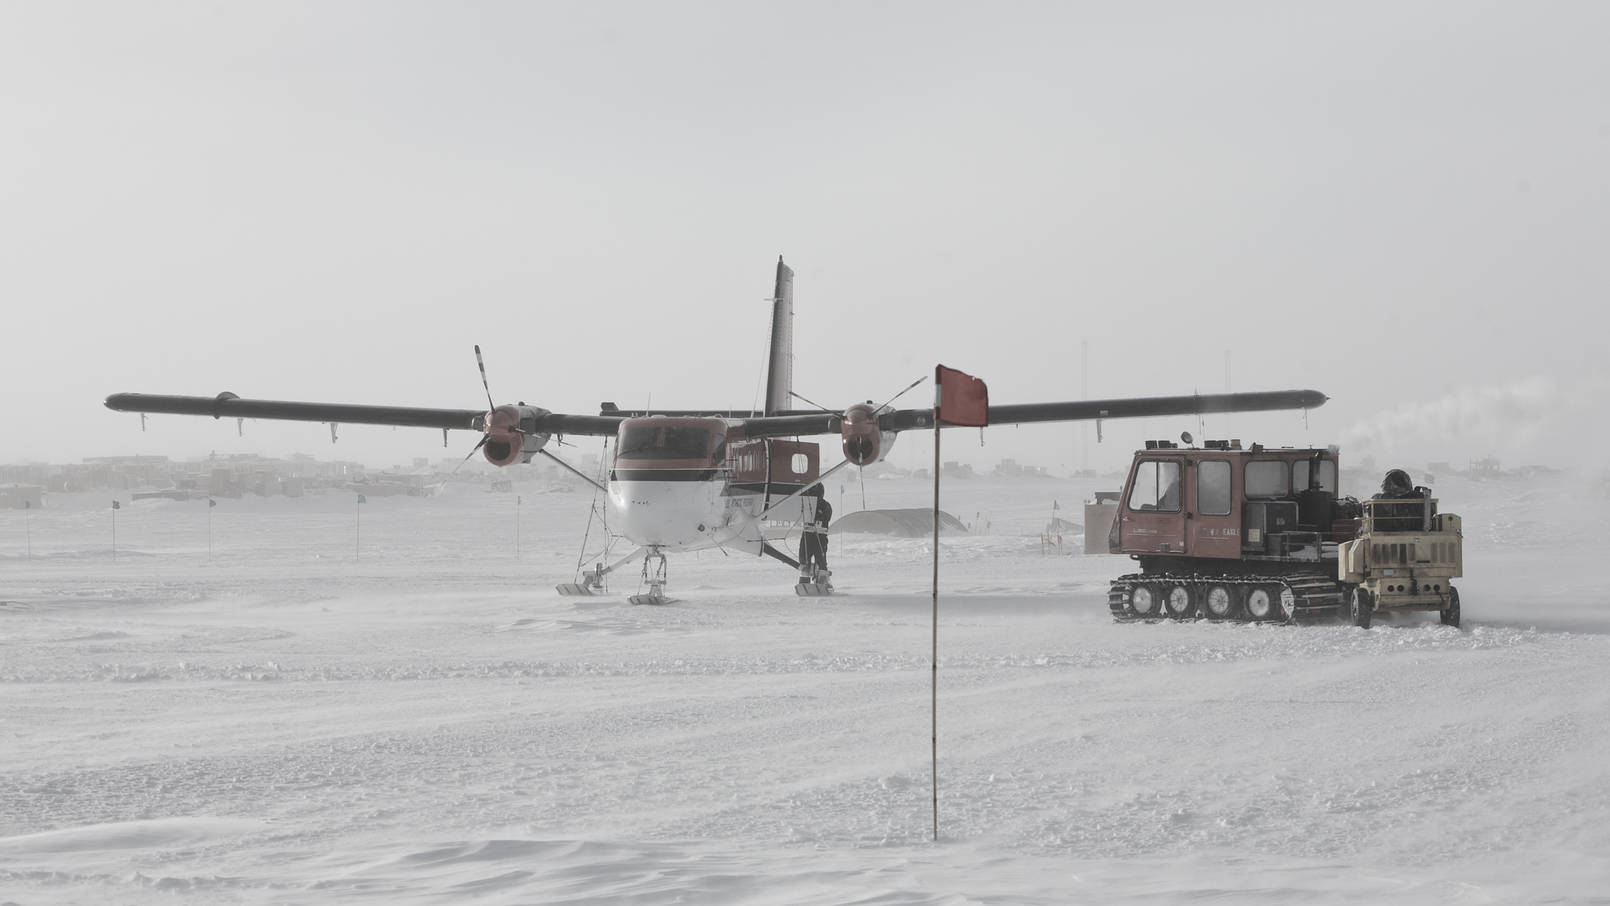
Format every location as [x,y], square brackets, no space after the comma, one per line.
[1228,503]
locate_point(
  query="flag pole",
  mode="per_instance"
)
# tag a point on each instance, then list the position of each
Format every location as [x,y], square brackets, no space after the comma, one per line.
[967,405]
[933,685]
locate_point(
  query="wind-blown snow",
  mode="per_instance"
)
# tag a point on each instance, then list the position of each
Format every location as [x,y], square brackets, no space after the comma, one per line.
[398,710]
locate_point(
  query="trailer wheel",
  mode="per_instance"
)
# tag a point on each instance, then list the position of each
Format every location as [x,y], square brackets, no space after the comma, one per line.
[1219,602]
[1360,607]
[1143,601]
[1180,603]
[1450,614]
[1260,603]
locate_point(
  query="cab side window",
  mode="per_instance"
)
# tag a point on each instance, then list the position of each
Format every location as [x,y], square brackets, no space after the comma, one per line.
[1213,488]
[1156,487]
[1327,475]
[1267,478]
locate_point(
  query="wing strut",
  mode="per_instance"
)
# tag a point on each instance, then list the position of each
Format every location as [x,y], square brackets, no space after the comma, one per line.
[575,471]
[775,554]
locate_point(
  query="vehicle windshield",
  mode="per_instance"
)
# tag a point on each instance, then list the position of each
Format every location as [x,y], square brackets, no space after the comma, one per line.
[651,441]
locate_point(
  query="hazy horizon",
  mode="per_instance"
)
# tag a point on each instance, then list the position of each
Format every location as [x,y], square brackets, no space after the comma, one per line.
[1399,205]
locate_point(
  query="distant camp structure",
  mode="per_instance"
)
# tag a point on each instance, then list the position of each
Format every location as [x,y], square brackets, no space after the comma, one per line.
[21,497]
[915,522]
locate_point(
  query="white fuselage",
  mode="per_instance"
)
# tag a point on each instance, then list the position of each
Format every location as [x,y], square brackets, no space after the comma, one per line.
[674,487]
[674,515]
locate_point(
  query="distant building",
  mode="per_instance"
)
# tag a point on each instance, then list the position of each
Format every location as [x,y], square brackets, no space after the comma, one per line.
[21,497]
[1011,468]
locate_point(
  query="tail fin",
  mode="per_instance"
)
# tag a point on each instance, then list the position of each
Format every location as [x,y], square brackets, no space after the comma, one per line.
[780,367]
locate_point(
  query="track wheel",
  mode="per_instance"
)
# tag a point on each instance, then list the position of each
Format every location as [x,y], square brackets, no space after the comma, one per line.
[1143,601]
[1450,614]
[1261,602]
[1361,607]
[1180,603]
[1218,602]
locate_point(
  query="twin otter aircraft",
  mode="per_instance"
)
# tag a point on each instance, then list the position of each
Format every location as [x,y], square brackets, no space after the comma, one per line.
[685,480]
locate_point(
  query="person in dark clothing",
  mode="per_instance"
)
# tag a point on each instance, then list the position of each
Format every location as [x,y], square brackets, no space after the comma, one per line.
[1397,485]
[1406,516]
[813,539]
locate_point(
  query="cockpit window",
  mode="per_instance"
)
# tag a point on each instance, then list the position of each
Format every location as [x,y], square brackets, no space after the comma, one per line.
[665,442]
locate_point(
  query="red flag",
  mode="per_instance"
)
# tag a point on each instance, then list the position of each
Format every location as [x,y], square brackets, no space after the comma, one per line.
[961,399]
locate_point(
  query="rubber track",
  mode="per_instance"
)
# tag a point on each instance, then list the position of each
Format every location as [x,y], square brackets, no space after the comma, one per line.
[1317,596]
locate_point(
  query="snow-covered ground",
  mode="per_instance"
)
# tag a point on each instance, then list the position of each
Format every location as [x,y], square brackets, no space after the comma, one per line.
[402,710]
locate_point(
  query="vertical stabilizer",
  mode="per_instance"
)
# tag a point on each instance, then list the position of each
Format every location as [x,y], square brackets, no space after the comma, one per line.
[780,365]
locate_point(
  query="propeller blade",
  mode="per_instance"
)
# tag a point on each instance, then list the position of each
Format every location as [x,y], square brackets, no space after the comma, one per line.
[909,388]
[481,364]
[473,450]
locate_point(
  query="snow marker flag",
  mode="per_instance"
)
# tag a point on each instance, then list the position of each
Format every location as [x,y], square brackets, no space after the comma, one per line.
[960,399]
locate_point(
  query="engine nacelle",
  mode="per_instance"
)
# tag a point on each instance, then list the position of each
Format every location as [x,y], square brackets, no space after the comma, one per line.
[511,435]
[864,443]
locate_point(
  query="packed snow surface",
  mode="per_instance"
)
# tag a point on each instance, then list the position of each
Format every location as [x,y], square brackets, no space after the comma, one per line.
[313,701]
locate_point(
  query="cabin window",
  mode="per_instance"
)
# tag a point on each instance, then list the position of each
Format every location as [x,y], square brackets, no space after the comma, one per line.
[665,442]
[1267,478]
[1213,488]
[801,463]
[1156,486]
[1327,475]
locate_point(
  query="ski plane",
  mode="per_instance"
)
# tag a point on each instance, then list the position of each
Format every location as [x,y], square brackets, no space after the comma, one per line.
[685,480]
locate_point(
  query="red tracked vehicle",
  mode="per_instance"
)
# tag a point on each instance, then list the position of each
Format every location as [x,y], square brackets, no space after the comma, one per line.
[1262,534]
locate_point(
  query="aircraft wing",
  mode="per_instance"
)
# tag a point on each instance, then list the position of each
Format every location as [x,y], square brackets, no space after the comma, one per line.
[228,405]
[785,424]
[799,423]
[1133,407]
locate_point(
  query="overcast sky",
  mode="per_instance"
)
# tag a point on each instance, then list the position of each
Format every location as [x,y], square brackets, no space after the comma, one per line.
[1404,205]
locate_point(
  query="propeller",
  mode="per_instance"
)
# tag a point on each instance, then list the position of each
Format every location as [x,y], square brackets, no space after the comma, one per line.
[909,387]
[864,438]
[485,385]
[480,364]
